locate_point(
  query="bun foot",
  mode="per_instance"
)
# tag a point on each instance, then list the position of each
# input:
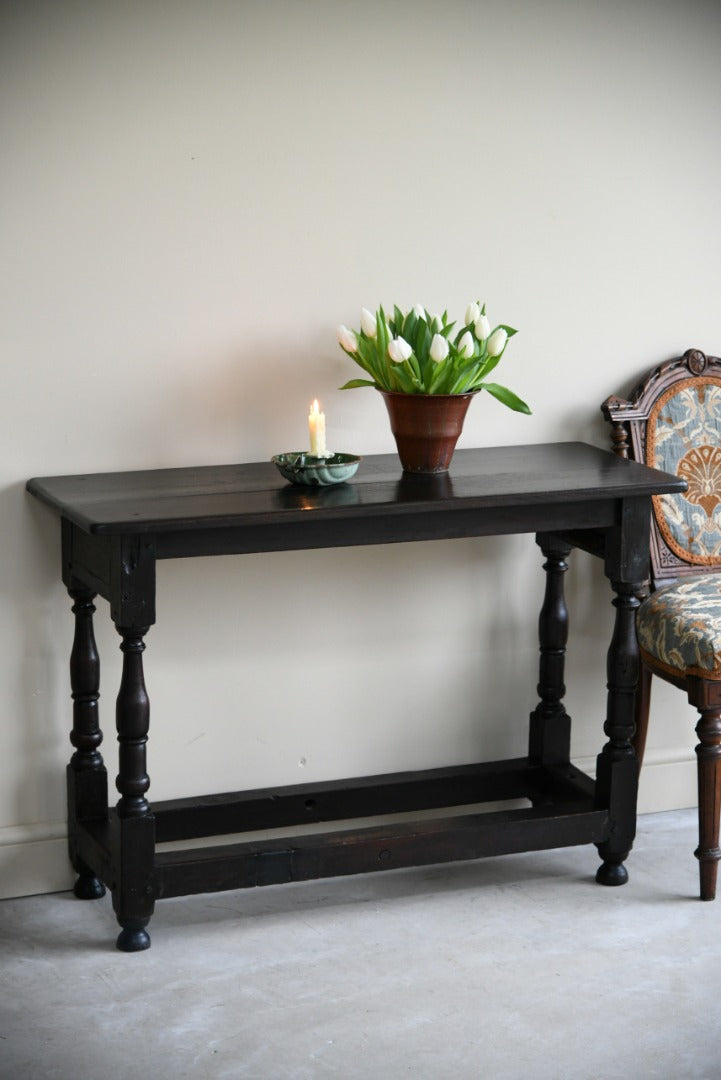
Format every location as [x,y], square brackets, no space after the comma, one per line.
[133,940]
[612,874]
[88,887]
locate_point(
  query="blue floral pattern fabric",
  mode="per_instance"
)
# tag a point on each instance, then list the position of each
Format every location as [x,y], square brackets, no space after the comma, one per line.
[679,626]
[684,437]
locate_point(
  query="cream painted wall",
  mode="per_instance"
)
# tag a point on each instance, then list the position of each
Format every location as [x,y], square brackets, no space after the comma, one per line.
[193,196]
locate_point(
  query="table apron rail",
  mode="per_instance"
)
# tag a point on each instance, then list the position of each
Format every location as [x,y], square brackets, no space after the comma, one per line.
[404,527]
[96,560]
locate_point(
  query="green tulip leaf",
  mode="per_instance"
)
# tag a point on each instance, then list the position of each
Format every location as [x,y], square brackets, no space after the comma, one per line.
[507,397]
[353,383]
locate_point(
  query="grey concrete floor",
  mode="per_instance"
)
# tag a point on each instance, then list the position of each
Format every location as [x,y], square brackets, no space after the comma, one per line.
[511,967]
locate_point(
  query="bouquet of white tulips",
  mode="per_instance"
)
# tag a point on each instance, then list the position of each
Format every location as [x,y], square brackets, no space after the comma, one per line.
[418,353]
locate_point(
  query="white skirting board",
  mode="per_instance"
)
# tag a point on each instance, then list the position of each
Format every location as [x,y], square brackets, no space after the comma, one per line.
[34,858]
[668,780]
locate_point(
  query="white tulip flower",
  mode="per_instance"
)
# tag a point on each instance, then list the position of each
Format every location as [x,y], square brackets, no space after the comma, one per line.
[347,339]
[472,313]
[497,342]
[420,311]
[439,348]
[437,322]
[368,323]
[482,328]
[465,346]
[399,350]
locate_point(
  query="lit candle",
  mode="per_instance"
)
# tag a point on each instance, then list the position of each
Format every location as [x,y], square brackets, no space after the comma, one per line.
[316,427]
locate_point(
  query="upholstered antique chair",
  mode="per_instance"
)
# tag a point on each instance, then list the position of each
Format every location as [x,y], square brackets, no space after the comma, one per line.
[672,421]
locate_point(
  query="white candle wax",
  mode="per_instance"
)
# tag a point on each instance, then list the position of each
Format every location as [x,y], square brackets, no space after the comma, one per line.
[316,427]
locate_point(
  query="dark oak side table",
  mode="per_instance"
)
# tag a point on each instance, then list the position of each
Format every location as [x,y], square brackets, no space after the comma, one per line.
[115,526]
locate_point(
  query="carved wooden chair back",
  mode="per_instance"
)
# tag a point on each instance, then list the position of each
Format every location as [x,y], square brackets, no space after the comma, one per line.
[672,421]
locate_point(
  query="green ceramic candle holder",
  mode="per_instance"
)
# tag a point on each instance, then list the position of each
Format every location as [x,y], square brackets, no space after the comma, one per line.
[302,468]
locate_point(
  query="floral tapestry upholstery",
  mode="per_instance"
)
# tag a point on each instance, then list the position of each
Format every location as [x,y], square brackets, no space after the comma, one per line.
[679,627]
[683,436]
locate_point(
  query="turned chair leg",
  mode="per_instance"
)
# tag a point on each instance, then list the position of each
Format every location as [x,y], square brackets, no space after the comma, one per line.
[708,752]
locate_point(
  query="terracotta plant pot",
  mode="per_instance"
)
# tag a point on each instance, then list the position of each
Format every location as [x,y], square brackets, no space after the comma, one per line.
[426,428]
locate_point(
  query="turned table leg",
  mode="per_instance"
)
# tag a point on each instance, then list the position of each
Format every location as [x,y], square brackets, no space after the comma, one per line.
[617,765]
[550,729]
[87,779]
[133,897]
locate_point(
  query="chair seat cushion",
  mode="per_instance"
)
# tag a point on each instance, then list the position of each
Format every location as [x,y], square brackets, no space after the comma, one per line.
[679,627]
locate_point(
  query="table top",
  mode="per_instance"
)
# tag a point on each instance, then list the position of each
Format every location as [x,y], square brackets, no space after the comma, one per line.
[254,494]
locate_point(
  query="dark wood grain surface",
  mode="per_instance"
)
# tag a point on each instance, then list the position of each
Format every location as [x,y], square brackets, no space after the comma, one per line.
[252,494]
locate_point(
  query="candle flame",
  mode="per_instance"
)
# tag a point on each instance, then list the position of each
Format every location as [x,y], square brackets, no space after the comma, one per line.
[314,407]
